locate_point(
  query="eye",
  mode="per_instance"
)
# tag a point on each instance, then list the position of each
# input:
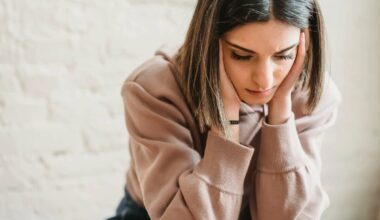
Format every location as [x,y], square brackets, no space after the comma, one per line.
[239,57]
[286,57]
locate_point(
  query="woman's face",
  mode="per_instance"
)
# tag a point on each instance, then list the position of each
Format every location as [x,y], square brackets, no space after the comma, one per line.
[257,56]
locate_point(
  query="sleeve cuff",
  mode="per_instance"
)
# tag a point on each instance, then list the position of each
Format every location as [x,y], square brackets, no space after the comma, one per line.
[225,163]
[280,148]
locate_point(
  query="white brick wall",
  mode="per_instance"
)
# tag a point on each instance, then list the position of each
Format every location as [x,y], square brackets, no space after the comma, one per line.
[63,143]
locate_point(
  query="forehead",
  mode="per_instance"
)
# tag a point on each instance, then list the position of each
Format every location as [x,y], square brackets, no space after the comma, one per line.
[264,37]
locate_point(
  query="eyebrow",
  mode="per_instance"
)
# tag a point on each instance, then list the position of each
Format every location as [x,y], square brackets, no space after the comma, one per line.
[251,51]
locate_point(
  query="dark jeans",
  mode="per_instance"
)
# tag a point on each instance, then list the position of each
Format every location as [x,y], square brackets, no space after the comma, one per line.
[130,210]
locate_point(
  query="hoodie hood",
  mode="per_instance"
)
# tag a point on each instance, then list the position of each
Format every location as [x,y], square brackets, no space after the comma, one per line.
[169,51]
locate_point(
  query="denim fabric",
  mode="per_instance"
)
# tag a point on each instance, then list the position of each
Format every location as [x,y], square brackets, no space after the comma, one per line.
[130,210]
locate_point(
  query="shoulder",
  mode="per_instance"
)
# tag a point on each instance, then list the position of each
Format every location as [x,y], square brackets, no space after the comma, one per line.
[156,75]
[152,96]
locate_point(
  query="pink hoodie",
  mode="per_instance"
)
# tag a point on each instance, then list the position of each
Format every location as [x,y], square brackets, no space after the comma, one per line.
[183,171]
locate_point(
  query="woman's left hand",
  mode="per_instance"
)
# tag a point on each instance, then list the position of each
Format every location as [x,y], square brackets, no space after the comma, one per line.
[280,106]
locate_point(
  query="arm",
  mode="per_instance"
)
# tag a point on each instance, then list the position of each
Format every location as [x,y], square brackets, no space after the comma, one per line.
[288,184]
[174,180]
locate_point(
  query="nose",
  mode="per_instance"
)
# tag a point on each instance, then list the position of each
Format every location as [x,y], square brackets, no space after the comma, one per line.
[262,75]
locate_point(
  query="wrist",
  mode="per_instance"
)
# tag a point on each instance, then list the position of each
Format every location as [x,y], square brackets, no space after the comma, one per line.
[279,111]
[232,113]
[232,132]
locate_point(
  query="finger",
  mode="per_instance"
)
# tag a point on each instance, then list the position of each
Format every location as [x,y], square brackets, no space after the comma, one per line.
[307,38]
[227,87]
[221,61]
[298,65]
[222,71]
[225,83]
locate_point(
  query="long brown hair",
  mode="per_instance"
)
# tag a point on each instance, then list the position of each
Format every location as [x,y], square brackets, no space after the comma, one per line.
[198,58]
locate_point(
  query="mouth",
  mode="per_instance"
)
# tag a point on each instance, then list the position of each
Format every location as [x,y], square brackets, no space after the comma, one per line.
[261,92]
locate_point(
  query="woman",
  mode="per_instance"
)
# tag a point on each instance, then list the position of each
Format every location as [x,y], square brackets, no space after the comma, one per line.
[229,124]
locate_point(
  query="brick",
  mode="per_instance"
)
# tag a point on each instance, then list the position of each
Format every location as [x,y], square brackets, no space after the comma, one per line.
[60,171]
[19,110]
[82,165]
[63,205]
[76,107]
[22,172]
[9,82]
[45,138]
[43,80]
[104,135]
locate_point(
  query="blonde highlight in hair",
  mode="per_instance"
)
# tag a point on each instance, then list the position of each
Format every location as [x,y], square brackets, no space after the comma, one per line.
[198,68]
[316,62]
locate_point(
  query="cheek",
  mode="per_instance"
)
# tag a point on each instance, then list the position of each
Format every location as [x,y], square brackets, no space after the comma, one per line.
[283,70]
[237,73]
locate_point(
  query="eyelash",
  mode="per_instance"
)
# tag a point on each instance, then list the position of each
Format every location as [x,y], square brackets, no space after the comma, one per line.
[238,57]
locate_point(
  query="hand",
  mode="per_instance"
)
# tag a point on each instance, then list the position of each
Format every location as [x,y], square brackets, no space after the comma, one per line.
[280,106]
[231,100]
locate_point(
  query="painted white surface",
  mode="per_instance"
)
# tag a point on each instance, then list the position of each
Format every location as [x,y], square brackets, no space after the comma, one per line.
[63,143]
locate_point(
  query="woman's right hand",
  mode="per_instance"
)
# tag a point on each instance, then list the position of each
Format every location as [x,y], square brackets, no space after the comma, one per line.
[231,100]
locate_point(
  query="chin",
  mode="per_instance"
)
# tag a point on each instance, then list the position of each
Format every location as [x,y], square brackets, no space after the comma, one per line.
[252,102]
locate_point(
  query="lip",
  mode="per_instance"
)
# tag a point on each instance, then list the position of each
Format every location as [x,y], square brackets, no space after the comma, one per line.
[260,92]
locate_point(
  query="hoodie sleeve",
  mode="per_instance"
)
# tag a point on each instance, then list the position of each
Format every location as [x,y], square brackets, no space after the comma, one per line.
[287,179]
[174,180]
